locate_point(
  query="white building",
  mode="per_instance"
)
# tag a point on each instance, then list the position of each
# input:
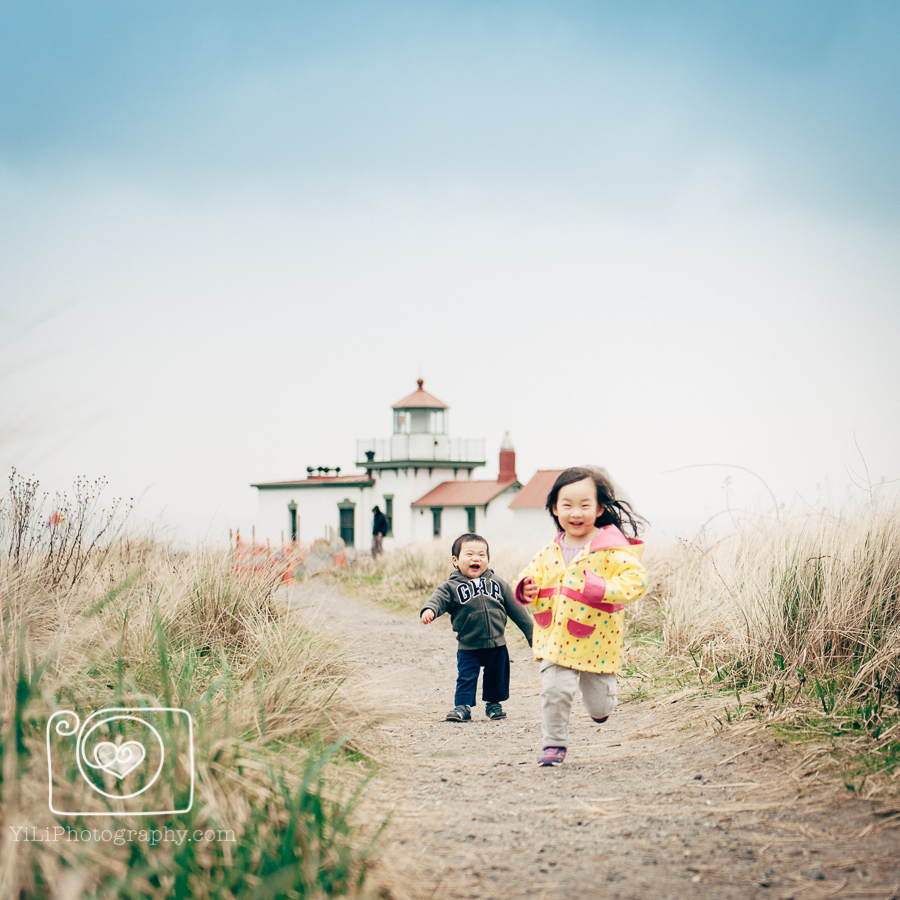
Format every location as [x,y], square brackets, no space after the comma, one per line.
[420,479]
[533,526]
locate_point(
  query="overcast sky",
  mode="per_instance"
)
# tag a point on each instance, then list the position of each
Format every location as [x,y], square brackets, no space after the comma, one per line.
[645,235]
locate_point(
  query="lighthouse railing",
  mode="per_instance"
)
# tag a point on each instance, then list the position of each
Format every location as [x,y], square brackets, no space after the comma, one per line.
[421,447]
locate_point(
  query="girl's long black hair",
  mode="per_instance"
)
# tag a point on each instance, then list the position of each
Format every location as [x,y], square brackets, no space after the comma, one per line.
[615,512]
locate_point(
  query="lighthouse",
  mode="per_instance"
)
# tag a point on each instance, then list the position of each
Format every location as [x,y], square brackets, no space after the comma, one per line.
[393,473]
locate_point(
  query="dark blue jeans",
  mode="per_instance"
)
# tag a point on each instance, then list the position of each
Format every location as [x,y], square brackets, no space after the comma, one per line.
[494,683]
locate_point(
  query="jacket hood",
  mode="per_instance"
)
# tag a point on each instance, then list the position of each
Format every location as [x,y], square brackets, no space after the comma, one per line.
[457,576]
[610,537]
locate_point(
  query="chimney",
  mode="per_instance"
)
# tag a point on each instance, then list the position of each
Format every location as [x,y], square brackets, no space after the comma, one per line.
[507,461]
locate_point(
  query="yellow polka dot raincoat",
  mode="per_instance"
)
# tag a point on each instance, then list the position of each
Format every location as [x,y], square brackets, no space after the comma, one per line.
[578,612]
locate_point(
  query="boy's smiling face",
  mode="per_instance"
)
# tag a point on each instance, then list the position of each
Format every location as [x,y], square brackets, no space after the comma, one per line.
[473,559]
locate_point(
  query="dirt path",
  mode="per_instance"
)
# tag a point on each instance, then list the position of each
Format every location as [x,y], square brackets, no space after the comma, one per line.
[644,807]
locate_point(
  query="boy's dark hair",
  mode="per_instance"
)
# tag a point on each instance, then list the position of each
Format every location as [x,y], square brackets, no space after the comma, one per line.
[615,512]
[468,539]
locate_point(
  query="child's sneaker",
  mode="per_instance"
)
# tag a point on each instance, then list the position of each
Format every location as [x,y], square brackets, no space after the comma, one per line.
[552,756]
[494,711]
[459,714]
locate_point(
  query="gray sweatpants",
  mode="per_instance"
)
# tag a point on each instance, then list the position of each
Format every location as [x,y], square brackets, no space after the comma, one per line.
[558,684]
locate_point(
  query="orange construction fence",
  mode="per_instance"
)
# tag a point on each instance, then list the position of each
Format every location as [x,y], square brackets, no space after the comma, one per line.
[285,562]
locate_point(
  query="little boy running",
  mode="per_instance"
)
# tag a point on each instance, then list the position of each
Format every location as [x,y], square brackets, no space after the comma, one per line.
[478,602]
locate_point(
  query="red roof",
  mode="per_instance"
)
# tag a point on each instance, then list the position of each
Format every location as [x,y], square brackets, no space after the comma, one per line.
[419,400]
[534,494]
[320,480]
[463,493]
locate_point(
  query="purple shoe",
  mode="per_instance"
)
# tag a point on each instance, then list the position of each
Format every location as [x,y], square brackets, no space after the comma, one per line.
[552,756]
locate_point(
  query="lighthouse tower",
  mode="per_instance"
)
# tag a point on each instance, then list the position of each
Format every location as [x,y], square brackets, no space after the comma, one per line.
[417,457]
[420,440]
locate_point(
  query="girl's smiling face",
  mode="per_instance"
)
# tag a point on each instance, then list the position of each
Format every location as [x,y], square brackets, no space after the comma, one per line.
[577,509]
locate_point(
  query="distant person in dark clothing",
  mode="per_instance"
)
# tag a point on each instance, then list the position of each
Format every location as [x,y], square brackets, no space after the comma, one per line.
[379,530]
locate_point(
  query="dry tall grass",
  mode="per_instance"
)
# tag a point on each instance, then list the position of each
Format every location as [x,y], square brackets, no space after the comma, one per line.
[818,593]
[808,609]
[116,622]
[274,672]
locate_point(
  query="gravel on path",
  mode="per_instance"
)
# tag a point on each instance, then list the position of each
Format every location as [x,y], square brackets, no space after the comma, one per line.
[652,804]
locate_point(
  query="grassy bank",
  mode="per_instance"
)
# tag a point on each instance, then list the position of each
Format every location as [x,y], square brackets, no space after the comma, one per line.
[93,619]
[804,612]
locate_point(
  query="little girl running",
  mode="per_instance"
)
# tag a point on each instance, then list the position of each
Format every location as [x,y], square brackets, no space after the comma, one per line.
[579,584]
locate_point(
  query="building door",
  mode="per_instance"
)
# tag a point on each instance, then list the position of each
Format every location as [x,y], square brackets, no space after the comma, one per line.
[347,523]
[470,515]
[436,522]
[295,531]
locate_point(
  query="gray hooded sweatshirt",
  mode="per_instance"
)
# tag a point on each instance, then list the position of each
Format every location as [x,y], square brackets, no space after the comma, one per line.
[478,609]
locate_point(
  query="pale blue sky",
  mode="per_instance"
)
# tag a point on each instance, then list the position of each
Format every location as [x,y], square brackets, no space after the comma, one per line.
[647,235]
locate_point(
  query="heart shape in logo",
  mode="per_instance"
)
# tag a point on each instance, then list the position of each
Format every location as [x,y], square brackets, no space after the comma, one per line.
[120,759]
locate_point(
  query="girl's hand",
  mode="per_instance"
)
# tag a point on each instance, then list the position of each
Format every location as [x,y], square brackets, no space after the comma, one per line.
[427,617]
[529,589]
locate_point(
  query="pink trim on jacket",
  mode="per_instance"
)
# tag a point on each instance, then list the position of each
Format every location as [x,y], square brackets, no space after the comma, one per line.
[594,589]
[576,629]
[578,597]
[611,538]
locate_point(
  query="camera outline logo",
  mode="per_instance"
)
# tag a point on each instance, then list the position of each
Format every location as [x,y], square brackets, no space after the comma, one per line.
[118,760]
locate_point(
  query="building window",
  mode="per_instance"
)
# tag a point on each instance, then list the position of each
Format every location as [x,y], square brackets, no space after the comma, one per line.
[470,512]
[295,531]
[389,513]
[347,515]
[401,421]
[420,421]
[436,515]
